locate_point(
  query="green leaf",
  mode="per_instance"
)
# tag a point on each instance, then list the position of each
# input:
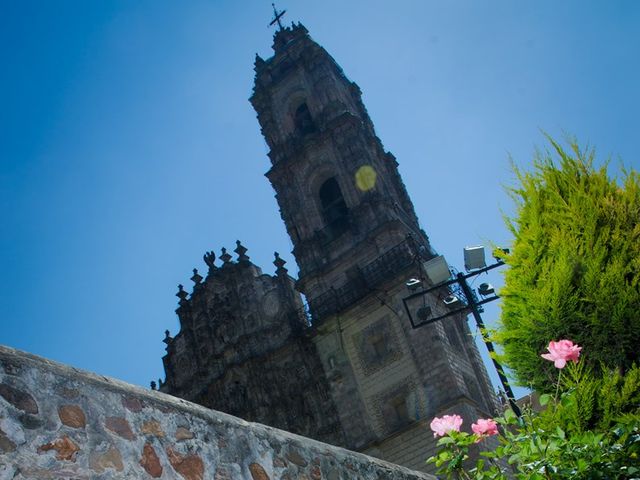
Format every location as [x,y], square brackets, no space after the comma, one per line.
[446,441]
[567,401]
[582,465]
[544,399]
[510,416]
[444,455]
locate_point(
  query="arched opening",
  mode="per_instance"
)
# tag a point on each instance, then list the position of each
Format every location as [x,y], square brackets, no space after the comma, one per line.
[334,208]
[303,121]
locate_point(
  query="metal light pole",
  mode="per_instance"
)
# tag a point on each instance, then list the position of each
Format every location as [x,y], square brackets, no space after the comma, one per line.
[473,305]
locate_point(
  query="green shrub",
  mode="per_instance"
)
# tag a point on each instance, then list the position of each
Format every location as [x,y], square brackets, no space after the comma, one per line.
[597,402]
[574,265]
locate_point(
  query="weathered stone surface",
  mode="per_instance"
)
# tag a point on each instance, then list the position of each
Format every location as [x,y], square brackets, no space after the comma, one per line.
[132,404]
[101,461]
[150,461]
[333,474]
[223,473]
[65,448]
[257,472]
[6,445]
[294,457]
[10,368]
[72,416]
[69,393]
[190,467]
[67,471]
[315,473]
[152,427]
[183,433]
[120,426]
[18,398]
[31,422]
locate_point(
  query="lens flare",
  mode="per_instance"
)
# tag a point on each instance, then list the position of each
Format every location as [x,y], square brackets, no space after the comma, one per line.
[366,178]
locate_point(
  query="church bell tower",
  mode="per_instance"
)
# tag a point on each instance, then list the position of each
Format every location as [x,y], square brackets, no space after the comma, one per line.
[357,241]
[340,194]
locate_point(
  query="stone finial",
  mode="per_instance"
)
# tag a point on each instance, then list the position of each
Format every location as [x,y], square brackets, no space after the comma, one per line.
[258,63]
[153,385]
[196,278]
[225,257]
[182,295]
[167,338]
[241,251]
[210,259]
[279,263]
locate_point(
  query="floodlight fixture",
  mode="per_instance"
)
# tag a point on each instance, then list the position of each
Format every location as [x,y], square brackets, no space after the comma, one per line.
[413,284]
[486,289]
[450,300]
[474,258]
[463,301]
[437,269]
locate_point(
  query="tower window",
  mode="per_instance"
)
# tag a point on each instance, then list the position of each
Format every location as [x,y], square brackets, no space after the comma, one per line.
[334,208]
[303,121]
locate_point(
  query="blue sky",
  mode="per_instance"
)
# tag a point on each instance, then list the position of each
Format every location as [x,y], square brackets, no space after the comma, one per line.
[128,147]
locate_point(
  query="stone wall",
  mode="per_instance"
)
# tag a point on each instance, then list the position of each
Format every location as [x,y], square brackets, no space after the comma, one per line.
[57,422]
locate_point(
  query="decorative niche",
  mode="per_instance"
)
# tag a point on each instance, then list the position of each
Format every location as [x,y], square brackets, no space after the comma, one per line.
[377,346]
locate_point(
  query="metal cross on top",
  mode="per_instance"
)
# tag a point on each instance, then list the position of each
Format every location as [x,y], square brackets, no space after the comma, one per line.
[277,16]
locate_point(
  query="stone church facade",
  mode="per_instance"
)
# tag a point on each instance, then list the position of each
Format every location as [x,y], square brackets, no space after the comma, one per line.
[345,367]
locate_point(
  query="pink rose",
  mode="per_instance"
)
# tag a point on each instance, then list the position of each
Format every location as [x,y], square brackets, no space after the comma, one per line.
[484,427]
[441,426]
[561,352]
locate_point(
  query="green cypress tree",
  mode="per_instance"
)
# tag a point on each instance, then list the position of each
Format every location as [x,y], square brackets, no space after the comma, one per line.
[574,265]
